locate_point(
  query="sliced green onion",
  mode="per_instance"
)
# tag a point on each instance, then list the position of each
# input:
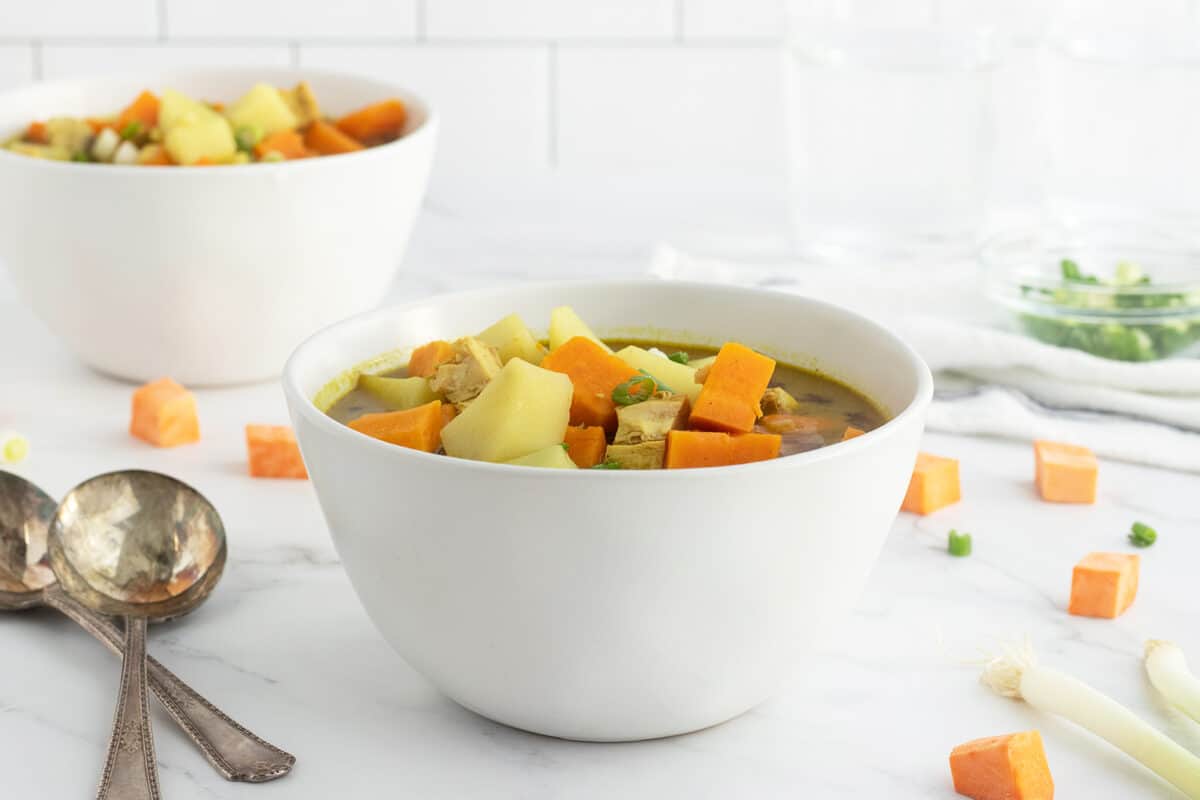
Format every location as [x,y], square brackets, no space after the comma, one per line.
[132,130]
[610,464]
[680,357]
[659,385]
[82,157]
[566,447]
[635,390]
[959,544]
[1016,674]
[1168,670]
[1142,535]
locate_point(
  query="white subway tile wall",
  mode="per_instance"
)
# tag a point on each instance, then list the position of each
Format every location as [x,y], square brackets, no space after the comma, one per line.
[662,108]
[550,19]
[619,86]
[492,100]
[290,19]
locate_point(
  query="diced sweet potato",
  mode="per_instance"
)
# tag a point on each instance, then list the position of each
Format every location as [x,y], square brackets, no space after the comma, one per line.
[287,143]
[143,110]
[934,484]
[1104,585]
[689,449]
[585,445]
[376,123]
[1065,473]
[851,433]
[164,414]
[272,452]
[419,428]
[425,360]
[1011,767]
[732,389]
[594,373]
[323,138]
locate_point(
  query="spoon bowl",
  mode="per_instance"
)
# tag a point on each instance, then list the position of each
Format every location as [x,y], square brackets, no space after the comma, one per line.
[25,515]
[137,543]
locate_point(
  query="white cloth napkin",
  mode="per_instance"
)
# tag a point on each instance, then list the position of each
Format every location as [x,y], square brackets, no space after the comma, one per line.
[991,381]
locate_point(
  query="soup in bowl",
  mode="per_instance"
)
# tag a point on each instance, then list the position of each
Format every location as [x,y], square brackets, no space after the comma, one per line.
[609,602]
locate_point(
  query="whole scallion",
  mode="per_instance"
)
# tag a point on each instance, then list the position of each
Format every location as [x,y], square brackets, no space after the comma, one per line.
[1016,674]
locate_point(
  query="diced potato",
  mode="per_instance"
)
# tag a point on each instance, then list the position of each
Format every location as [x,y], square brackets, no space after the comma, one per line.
[523,409]
[513,340]
[552,457]
[176,109]
[565,325]
[680,378]
[398,394]
[126,154]
[264,108]
[207,137]
[45,151]
[701,363]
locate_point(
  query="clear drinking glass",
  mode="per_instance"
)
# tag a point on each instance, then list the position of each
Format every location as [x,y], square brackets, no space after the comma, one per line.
[889,139]
[1122,111]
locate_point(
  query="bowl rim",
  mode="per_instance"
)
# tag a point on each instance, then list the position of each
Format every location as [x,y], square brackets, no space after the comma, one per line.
[303,405]
[426,128]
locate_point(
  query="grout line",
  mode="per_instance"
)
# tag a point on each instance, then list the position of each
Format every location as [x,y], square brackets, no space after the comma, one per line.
[679,12]
[706,43]
[422,20]
[35,53]
[161,7]
[294,54]
[552,107]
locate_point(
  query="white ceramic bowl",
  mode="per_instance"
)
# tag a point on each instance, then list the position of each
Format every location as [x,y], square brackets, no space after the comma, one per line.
[609,605]
[209,275]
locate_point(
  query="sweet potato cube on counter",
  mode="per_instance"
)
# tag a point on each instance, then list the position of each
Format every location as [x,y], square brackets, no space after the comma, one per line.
[1104,585]
[272,452]
[164,414]
[594,373]
[733,387]
[1065,473]
[425,360]
[851,433]
[1011,767]
[934,484]
[585,445]
[419,428]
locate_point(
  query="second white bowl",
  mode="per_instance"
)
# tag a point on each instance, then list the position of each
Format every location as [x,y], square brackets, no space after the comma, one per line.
[209,275]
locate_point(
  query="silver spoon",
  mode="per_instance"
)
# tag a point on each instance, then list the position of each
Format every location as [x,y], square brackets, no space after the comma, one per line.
[141,545]
[26,581]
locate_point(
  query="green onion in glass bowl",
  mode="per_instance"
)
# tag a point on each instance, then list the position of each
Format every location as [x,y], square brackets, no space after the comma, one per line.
[1119,295]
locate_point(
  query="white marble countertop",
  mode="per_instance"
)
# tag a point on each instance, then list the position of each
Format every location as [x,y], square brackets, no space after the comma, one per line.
[284,646]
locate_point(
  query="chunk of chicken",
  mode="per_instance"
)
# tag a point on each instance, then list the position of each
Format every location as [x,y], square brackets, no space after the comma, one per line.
[776,400]
[651,419]
[303,103]
[644,455]
[462,379]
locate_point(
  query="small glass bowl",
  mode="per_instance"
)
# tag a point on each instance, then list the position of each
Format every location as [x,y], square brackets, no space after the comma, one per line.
[1125,294]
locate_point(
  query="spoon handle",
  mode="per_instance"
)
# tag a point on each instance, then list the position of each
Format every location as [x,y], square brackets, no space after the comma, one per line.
[130,769]
[236,753]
